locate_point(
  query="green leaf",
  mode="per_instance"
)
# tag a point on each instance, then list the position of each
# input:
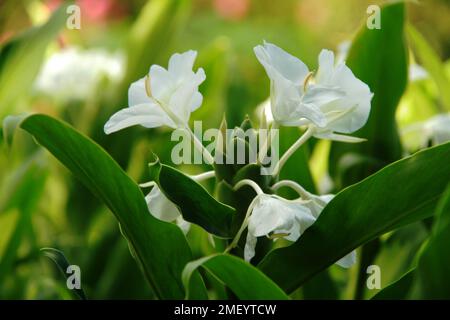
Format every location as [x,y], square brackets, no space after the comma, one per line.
[397,290]
[379,58]
[10,124]
[432,63]
[193,200]
[161,248]
[432,275]
[20,59]
[397,195]
[243,279]
[22,191]
[62,263]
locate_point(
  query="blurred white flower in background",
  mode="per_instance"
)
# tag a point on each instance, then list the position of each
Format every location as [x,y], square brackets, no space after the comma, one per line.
[74,73]
[416,72]
[435,130]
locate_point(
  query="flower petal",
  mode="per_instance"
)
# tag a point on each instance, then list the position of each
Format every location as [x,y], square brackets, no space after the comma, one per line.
[162,83]
[275,59]
[181,64]
[348,260]
[326,66]
[250,245]
[148,115]
[338,137]
[161,207]
[137,93]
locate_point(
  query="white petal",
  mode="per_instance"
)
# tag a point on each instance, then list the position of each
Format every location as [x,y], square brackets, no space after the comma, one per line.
[250,245]
[161,207]
[321,95]
[183,100]
[147,115]
[417,73]
[358,97]
[313,113]
[196,101]
[183,224]
[326,66]
[275,214]
[181,64]
[137,93]
[338,137]
[162,83]
[275,59]
[348,260]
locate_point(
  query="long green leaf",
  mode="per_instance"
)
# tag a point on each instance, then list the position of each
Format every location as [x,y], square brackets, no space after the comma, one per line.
[243,279]
[193,200]
[395,196]
[379,58]
[397,290]
[432,276]
[58,257]
[160,248]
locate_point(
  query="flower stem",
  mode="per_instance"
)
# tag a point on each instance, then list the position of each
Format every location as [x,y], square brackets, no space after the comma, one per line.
[198,144]
[244,225]
[308,133]
[250,183]
[294,186]
[263,152]
[204,176]
[258,190]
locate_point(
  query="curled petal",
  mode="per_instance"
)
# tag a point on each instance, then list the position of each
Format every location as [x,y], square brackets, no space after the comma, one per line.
[276,60]
[161,207]
[148,115]
[137,93]
[338,137]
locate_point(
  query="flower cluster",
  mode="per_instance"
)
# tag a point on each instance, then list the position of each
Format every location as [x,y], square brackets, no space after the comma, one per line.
[330,103]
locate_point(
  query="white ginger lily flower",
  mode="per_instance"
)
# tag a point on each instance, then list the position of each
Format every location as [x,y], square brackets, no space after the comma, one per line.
[334,100]
[435,130]
[163,209]
[163,97]
[316,204]
[275,217]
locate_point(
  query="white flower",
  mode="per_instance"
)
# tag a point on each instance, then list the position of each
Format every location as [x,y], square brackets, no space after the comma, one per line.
[417,72]
[437,128]
[74,73]
[163,209]
[316,206]
[164,97]
[311,203]
[334,100]
[276,217]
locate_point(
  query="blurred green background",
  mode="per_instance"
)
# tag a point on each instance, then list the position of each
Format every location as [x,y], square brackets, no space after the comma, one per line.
[82,76]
